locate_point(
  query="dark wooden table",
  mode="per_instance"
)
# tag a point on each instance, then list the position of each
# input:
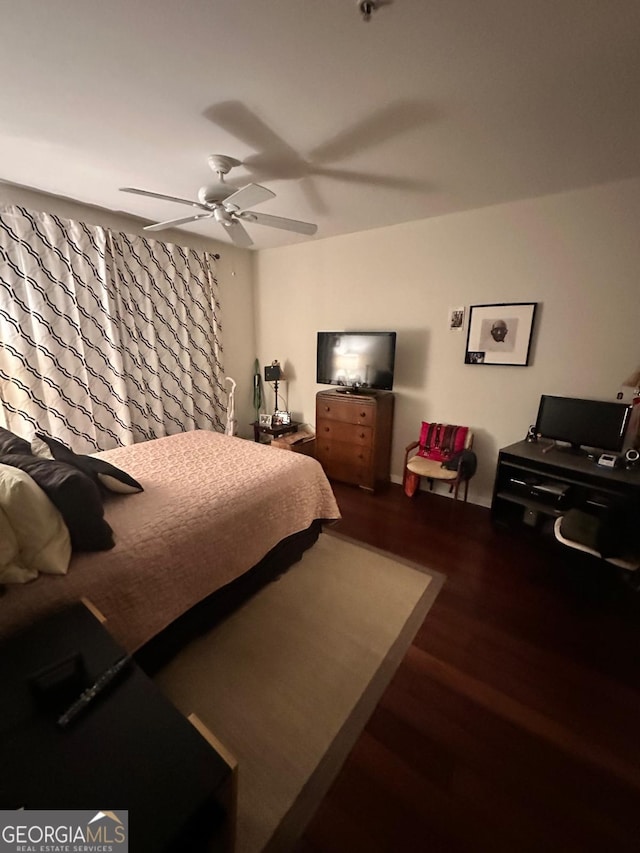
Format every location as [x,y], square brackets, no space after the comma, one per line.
[130,749]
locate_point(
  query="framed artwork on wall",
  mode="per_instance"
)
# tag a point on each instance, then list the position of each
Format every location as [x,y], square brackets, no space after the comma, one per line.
[456,319]
[500,333]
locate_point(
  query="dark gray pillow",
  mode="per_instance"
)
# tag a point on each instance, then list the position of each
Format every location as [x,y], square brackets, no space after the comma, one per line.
[76,496]
[106,475]
[12,443]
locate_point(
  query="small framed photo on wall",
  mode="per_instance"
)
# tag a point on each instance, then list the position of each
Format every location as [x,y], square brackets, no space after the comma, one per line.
[456,319]
[500,333]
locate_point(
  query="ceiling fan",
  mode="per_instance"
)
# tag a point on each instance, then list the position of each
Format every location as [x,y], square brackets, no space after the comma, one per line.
[227,206]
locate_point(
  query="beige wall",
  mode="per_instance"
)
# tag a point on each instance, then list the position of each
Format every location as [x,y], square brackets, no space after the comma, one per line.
[577,254]
[234,273]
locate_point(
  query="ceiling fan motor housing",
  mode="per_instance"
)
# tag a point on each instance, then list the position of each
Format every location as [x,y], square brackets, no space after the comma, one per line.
[214,193]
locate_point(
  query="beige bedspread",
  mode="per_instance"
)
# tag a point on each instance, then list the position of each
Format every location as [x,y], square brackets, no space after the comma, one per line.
[213,506]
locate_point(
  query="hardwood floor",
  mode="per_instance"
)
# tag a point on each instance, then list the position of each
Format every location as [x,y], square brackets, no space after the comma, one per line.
[512,722]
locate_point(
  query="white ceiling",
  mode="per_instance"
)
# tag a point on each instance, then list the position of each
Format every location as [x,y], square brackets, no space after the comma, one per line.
[431,107]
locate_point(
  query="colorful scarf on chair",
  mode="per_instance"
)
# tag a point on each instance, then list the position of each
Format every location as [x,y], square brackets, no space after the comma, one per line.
[441,441]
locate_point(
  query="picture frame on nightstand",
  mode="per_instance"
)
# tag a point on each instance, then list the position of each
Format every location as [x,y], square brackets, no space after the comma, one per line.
[281,419]
[265,421]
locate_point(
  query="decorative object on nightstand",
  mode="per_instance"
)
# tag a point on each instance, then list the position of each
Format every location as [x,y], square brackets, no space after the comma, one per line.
[257,388]
[273,429]
[281,418]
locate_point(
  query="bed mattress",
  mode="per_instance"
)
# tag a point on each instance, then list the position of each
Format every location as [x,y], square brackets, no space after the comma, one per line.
[213,505]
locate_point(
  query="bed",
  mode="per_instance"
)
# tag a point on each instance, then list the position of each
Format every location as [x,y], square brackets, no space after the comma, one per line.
[213,508]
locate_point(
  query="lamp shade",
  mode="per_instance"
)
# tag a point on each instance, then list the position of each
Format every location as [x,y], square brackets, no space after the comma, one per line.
[273,372]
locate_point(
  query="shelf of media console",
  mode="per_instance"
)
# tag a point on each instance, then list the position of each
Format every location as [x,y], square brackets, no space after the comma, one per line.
[530,504]
[588,485]
[600,478]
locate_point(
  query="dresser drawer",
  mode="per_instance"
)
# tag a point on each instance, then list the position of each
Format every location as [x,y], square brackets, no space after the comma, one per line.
[345,462]
[347,411]
[340,431]
[341,452]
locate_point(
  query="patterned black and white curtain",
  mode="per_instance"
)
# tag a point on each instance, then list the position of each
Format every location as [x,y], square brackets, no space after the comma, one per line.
[106,339]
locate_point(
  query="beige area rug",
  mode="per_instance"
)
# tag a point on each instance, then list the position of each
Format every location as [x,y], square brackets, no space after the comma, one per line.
[288,682]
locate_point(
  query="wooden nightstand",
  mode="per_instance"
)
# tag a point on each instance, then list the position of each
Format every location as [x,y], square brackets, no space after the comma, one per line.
[273,431]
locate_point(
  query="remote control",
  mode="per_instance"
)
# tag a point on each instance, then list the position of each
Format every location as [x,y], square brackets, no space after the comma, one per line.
[91,693]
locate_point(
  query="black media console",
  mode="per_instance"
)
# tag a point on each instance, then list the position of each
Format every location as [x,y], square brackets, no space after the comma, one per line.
[536,481]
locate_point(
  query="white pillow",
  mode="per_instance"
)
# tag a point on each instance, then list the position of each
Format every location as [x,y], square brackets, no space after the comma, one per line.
[42,536]
[11,570]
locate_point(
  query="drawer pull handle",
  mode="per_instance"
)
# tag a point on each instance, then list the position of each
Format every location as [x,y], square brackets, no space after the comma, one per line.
[327,429]
[363,414]
[362,435]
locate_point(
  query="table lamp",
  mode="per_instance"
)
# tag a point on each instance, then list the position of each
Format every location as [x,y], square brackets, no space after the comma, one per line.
[273,373]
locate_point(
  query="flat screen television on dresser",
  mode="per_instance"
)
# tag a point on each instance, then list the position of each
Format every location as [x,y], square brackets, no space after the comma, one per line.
[357,362]
[594,424]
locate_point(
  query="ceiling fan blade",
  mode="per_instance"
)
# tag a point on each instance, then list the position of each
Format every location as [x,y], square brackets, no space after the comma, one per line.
[163,197]
[238,233]
[247,197]
[279,222]
[350,177]
[238,120]
[171,223]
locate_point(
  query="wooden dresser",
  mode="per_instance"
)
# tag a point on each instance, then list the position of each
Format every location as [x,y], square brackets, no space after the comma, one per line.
[353,436]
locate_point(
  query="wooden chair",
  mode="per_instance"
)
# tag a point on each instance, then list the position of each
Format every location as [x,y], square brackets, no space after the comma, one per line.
[437,444]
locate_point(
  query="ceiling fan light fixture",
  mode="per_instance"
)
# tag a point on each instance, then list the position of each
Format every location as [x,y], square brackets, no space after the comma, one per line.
[221,216]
